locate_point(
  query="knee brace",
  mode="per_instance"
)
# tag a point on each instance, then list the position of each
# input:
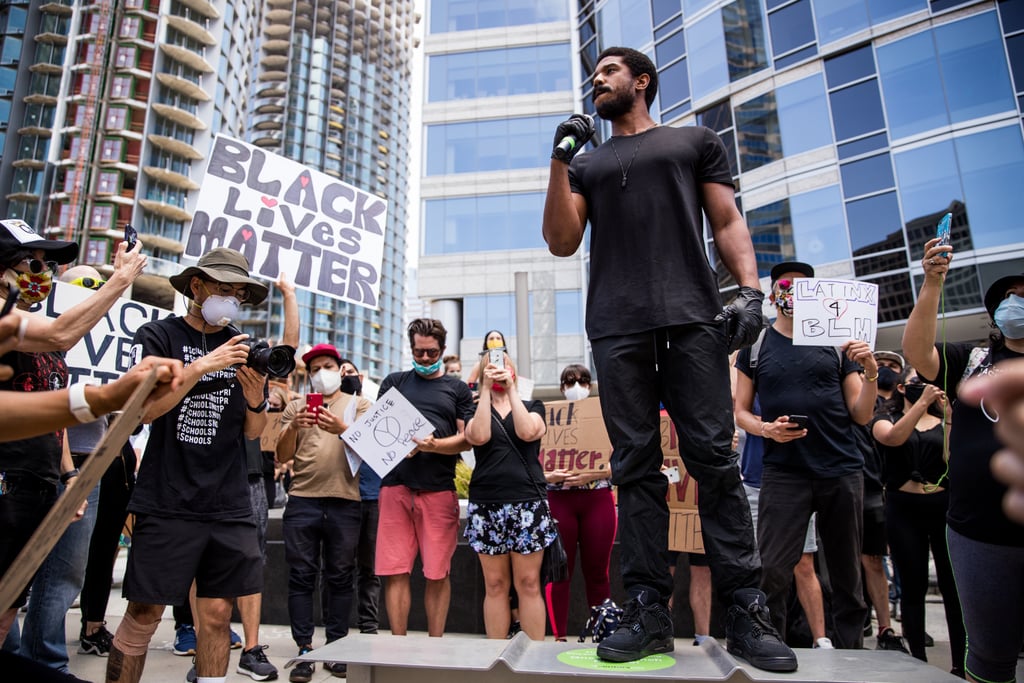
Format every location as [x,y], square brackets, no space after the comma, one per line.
[132,638]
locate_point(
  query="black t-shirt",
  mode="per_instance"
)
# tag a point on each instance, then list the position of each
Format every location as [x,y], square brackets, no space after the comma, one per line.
[441,400]
[805,380]
[975,498]
[871,451]
[919,458]
[500,475]
[38,456]
[648,267]
[194,466]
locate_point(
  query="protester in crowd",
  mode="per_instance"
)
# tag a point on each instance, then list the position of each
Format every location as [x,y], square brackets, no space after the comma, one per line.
[659,335]
[59,579]
[805,576]
[582,503]
[1003,391]
[508,522]
[911,426]
[193,518]
[494,339]
[367,582]
[322,517]
[986,548]
[419,509]
[810,465]
[36,467]
[453,366]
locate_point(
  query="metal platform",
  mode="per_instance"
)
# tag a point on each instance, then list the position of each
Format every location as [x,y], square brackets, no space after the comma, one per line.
[397,659]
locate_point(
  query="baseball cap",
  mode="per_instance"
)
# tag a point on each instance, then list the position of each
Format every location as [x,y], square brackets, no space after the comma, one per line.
[321,350]
[16,235]
[221,265]
[997,291]
[780,269]
[891,356]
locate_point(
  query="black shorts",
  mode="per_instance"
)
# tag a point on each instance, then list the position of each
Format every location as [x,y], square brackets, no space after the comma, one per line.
[876,541]
[223,556]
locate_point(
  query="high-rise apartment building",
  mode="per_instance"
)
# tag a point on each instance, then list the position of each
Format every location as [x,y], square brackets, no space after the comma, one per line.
[852,126]
[499,78]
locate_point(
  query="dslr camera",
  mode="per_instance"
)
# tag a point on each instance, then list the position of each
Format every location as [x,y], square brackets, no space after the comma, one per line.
[277,361]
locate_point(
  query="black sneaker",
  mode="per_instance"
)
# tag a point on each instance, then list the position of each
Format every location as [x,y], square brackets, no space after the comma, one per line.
[99,643]
[749,633]
[303,671]
[645,629]
[928,640]
[337,669]
[254,664]
[888,640]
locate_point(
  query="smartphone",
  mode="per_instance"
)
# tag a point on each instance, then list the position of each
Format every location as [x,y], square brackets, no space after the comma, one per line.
[131,236]
[314,402]
[798,422]
[497,357]
[672,473]
[13,294]
[942,231]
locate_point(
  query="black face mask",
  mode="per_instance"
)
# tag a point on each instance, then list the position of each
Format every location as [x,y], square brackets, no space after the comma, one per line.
[351,384]
[887,378]
[913,391]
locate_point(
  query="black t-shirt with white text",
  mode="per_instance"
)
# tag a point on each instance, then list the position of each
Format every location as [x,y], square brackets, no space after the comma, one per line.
[194,466]
[805,380]
[975,497]
[37,456]
[500,476]
[648,267]
[441,400]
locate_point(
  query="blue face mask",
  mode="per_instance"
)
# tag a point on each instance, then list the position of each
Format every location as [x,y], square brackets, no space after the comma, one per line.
[427,370]
[1009,317]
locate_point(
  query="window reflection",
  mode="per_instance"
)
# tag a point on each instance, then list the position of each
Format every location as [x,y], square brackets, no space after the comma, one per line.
[758,135]
[492,73]
[819,228]
[490,312]
[495,145]
[568,312]
[483,223]
[707,55]
[880,263]
[867,175]
[771,231]
[792,27]
[803,115]
[961,290]
[744,38]
[874,224]
[895,297]
[468,15]
[849,66]
[857,110]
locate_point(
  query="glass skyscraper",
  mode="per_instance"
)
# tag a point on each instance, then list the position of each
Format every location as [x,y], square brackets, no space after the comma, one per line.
[852,126]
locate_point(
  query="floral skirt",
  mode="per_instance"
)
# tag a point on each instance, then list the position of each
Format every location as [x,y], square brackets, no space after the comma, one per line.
[501,528]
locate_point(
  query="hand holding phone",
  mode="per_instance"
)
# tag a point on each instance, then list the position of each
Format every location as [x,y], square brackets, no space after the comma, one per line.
[131,236]
[314,402]
[497,357]
[798,422]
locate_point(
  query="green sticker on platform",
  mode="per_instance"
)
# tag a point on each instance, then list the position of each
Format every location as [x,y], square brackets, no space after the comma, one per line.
[587,659]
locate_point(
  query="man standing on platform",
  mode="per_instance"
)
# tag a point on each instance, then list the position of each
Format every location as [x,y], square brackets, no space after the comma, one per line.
[659,334]
[419,509]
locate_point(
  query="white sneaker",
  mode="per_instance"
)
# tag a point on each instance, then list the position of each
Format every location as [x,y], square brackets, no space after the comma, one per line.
[823,644]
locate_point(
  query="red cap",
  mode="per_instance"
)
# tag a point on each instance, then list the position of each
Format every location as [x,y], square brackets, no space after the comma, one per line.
[321,350]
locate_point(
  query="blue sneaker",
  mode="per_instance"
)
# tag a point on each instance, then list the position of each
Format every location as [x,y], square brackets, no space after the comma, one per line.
[185,641]
[236,641]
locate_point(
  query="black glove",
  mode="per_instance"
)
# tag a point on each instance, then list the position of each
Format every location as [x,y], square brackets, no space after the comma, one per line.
[743,319]
[578,126]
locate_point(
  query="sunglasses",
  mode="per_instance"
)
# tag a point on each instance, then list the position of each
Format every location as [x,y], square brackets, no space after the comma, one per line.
[88,282]
[36,266]
[426,353]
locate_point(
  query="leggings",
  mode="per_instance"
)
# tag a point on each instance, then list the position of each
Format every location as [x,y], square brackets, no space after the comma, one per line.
[915,523]
[587,517]
[990,579]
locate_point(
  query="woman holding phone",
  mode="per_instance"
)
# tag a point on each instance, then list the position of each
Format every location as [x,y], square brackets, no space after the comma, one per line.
[509,524]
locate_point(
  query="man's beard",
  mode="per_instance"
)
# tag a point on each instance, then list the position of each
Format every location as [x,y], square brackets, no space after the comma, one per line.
[617,104]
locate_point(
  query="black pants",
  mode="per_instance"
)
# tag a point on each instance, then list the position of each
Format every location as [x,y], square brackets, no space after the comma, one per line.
[917,523]
[784,509]
[685,368]
[368,583]
[115,489]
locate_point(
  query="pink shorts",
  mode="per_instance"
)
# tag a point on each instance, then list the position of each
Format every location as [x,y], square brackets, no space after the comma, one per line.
[426,522]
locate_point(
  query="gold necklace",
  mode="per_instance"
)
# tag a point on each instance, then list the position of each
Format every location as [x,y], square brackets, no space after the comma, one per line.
[636,148]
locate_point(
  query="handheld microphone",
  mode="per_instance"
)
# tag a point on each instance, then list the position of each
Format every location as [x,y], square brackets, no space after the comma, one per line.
[565,148]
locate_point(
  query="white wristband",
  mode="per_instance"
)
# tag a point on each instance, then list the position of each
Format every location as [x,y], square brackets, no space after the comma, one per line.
[78,405]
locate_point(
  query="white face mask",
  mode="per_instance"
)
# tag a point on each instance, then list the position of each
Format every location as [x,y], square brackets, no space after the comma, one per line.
[326,382]
[220,310]
[576,392]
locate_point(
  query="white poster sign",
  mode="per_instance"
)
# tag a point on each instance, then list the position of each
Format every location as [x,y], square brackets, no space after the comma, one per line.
[384,435]
[830,312]
[283,216]
[103,354]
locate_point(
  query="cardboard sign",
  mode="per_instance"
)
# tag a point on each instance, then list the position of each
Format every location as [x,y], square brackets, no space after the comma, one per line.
[383,436]
[104,353]
[284,216]
[832,312]
[576,440]
[271,432]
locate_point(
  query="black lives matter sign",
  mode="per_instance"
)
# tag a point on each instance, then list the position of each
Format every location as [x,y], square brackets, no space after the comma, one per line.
[283,216]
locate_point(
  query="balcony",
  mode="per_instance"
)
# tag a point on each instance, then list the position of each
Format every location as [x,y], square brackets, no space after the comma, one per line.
[168,211]
[188,58]
[179,116]
[202,7]
[192,29]
[183,86]
[171,178]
